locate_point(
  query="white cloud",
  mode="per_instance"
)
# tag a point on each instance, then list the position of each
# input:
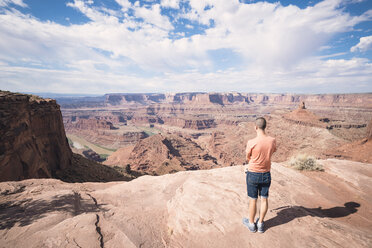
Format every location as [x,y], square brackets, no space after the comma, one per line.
[153,16]
[277,46]
[365,44]
[125,4]
[175,4]
[16,2]
[311,76]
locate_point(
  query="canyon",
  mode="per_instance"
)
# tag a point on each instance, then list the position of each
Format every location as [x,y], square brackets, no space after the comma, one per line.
[167,184]
[216,125]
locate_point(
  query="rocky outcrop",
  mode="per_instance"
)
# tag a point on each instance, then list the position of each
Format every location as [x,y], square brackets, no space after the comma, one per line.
[92,155]
[89,124]
[191,209]
[359,150]
[305,117]
[347,126]
[33,143]
[161,154]
[192,123]
[134,137]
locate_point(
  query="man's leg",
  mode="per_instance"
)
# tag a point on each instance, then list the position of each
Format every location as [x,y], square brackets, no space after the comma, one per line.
[263,209]
[252,209]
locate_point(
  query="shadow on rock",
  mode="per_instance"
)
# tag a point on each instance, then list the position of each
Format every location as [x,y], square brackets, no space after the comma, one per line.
[289,213]
[27,211]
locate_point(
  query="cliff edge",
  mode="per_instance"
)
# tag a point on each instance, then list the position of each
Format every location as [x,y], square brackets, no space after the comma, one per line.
[191,209]
[33,142]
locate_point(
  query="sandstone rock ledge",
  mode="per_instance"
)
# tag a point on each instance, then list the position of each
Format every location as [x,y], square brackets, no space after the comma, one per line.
[191,209]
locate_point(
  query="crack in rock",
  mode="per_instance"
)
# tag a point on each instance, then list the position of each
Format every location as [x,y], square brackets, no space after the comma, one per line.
[98,228]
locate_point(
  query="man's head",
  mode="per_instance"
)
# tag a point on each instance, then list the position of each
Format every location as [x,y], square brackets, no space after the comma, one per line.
[260,123]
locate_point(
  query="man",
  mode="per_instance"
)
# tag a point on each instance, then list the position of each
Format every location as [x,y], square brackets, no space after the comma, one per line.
[259,151]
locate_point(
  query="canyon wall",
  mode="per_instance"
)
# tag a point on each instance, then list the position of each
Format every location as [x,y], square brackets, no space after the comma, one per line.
[33,142]
[342,100]
[199,98]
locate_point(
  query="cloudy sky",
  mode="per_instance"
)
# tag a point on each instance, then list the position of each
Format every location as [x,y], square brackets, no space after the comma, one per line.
[102,46]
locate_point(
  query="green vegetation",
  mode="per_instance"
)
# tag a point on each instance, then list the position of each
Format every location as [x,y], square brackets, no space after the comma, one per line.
[89,145]
[104,156]
[305,162]
[70,142]
[128,169]
[149,130]
[132,173]
[109,149]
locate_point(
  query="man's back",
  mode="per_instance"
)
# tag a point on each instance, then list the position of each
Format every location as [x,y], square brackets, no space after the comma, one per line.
[260,150]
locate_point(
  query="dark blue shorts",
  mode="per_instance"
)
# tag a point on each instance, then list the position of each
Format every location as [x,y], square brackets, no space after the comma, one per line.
[258,184]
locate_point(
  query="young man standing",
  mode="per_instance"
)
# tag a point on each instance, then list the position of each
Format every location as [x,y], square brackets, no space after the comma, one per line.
[259,151]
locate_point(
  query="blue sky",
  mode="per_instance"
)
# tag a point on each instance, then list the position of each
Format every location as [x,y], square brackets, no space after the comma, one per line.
[101,46]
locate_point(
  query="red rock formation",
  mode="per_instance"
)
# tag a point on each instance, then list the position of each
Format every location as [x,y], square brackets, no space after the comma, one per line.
[134,137]
[361,100]
[33,143]
[359,150]
[161,154]
[304,117]
[89,124]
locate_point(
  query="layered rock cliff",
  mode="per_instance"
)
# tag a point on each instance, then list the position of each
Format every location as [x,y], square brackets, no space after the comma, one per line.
[342,100]
[33,142]
[217,99]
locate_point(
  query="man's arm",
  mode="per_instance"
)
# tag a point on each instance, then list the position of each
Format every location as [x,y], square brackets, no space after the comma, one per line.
[248,156]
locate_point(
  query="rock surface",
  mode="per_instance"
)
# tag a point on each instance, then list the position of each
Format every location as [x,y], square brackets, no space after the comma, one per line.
[161,154]
[191,209]
[90,124]
[359,150]
[33,142]
[302,116]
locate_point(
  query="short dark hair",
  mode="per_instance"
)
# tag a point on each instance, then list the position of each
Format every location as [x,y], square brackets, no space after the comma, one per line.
[261,123]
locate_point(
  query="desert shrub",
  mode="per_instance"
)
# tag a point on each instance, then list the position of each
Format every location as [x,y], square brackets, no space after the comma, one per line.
[305,162]
[128,169]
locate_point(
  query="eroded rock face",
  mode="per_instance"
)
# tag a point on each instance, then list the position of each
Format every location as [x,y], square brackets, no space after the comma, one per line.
[161,154]
[302,116]
[239,98]
[33,142]
[90,124]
